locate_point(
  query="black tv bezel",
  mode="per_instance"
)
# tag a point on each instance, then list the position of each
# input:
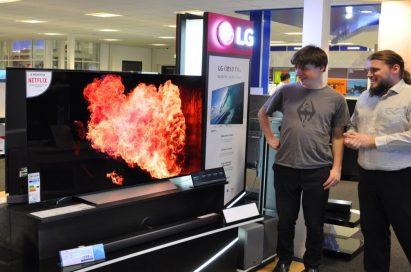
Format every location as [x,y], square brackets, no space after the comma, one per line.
[16,134]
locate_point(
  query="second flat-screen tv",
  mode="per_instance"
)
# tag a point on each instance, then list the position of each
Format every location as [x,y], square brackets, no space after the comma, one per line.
[81,131]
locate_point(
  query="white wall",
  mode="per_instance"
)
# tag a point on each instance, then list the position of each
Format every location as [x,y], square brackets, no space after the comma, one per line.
[118,53]
[163,56]
[337,59]
[394,29]
[152,58]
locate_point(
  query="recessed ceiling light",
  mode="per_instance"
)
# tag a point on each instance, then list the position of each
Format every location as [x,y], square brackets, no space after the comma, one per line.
[111,40]
[52,34]
[158,44]
[31,21]
[167,37]
[8,1]
[292,44]
[293,33]
[103,14]
[108,30]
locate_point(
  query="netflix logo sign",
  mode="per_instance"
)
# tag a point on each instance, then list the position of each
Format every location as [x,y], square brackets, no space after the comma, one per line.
[37,82]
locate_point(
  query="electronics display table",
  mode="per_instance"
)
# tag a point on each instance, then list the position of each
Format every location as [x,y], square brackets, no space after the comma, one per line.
[183,252]
[155,221]
[338,232]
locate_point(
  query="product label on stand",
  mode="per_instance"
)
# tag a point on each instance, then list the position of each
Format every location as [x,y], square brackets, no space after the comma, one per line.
[82,255]
[33,186]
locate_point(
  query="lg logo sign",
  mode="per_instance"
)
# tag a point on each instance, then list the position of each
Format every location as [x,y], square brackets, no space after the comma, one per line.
[240,37]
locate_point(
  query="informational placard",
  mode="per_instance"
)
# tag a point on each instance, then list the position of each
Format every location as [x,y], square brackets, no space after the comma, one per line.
[37,82]
[240,213]
[33,187]
[82,255]
[226,132]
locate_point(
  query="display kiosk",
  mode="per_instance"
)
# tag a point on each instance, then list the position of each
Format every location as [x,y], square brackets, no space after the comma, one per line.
[148,233]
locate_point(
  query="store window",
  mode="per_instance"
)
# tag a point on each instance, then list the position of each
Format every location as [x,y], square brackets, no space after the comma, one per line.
[86,55]
[22,53]
[31,54]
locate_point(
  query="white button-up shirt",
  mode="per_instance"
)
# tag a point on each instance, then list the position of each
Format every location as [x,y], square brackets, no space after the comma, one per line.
[388,118]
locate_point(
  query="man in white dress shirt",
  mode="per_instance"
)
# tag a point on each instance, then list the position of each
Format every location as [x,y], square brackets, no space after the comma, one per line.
[381,131]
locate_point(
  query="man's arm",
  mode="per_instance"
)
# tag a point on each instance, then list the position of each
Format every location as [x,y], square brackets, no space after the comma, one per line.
[266,128]
[337,140]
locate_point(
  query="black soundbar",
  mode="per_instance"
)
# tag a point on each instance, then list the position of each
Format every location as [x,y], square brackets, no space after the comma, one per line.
[154,234]
[338,206]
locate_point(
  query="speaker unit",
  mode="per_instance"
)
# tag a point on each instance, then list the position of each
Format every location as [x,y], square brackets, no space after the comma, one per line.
[270,236]
[251,240]
[338,206]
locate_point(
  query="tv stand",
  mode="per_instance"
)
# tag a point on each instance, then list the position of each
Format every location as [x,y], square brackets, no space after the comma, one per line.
[38,239]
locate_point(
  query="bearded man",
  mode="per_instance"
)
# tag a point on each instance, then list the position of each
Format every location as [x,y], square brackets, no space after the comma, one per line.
[381,131]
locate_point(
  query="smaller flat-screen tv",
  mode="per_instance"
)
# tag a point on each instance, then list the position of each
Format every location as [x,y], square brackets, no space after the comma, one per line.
[2,75]
[83,132]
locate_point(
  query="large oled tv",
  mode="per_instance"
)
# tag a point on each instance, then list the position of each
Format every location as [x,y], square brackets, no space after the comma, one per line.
[82,131]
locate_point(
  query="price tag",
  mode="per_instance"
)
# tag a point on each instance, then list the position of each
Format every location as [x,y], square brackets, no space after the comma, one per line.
[82,255]
[33,187]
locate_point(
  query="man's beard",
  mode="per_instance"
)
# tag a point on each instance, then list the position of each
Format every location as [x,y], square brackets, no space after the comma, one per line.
[382,88]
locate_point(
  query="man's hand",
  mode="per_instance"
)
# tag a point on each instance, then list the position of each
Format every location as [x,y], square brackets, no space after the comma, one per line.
[333,179]
[274,142]
[357,140]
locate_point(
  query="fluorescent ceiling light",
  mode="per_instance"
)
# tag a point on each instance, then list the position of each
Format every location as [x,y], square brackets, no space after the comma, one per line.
[366,11]
[289,44]
[167,37]
[172,26]
[111,40]
[108,30]
[52,34]
[103,14]
[8,1]
[193,11]
[293,33]
[31,21]
[276,42]
[158,44]
[348,9]
[344,43]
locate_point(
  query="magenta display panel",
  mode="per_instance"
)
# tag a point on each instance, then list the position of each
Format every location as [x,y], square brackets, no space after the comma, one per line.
[229,36]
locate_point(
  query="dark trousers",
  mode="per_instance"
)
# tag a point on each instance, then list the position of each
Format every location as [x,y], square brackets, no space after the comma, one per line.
[385,199]
[292,185]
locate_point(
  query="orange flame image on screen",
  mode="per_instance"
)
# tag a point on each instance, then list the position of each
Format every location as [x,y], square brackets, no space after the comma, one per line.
[145,127]
[115,178]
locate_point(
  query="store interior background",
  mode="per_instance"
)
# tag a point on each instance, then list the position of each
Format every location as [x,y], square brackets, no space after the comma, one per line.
[144,35]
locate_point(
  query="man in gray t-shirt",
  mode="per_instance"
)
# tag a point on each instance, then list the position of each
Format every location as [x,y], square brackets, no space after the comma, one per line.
[310,150]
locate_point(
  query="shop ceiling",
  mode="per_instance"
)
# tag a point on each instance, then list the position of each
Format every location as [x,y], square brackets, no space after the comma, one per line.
[144,23]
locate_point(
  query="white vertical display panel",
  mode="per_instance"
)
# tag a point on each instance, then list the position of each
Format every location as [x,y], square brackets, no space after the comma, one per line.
[226,133]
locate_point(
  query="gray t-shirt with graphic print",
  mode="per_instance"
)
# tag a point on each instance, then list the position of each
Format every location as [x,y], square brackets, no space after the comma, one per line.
[309,115]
